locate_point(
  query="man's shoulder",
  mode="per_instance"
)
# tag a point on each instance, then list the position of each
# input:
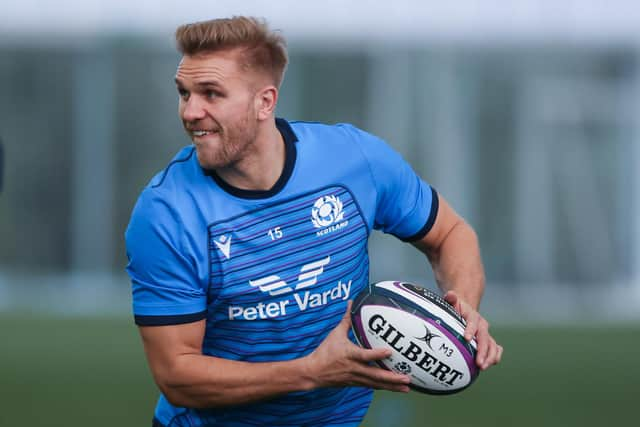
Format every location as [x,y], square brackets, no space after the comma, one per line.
[165,190]
[344,138]
[311,128]
[178,171]
[162,202]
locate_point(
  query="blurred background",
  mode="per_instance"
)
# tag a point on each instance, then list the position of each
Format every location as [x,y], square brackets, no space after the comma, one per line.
[525,115]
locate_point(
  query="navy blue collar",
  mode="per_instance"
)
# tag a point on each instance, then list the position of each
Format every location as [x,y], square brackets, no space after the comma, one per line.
[290,139]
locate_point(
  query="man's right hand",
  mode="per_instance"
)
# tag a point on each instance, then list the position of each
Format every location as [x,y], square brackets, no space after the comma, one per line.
[188,378]
[338,362]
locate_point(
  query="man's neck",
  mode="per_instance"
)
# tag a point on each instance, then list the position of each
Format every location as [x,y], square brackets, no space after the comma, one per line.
[262,165]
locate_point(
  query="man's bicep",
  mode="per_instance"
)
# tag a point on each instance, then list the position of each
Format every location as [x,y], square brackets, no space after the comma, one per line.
[446,220]
[163,345]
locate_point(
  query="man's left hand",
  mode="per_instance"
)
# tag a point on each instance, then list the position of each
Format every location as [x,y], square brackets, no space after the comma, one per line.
[489,352]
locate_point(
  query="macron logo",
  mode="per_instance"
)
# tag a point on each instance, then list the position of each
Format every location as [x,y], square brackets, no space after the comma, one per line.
[224,244]
[308,277]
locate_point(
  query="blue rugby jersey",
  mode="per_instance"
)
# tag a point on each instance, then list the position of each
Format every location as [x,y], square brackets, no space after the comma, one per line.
[271,271]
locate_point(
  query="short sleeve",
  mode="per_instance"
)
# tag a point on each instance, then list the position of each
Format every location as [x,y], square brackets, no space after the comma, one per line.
[406,206]
[165,285]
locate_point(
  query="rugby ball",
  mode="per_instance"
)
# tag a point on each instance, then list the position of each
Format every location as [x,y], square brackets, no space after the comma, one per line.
[423,331]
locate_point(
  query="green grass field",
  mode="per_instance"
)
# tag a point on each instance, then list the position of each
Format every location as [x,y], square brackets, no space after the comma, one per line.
[91,372]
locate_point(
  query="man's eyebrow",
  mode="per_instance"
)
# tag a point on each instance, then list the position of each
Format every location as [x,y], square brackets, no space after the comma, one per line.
[206,83]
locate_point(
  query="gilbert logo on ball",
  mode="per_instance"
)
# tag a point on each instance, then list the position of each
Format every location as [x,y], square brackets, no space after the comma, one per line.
[424,333]
[428,336]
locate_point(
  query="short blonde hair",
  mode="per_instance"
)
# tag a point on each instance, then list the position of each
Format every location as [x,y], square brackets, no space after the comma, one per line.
[263,49]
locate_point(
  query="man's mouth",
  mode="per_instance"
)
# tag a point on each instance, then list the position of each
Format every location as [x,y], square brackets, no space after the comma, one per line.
[200,132]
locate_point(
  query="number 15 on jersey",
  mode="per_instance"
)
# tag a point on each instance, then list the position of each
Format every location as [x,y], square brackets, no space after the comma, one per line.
[275,233]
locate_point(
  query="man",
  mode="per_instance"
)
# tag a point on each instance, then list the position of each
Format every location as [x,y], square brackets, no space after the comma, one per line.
[245,252]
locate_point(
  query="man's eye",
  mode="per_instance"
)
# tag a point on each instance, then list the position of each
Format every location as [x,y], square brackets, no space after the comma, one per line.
[211,94]
[183,93]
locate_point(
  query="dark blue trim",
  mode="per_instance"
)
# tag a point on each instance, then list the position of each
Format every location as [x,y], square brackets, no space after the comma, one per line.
[157,423]
[290,139]
[430,221]
[166,170]
[163,320]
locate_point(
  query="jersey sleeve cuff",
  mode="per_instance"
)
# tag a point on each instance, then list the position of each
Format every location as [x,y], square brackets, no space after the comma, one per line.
[430,220]
[165,320]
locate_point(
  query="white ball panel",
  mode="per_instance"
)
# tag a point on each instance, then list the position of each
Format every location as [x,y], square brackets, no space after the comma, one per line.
[419,348]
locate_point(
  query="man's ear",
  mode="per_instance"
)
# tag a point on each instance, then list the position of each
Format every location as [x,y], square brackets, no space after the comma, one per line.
[266,100]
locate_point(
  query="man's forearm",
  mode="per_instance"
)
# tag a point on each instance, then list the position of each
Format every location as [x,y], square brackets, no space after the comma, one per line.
[457,264]
[190,379]
[199,381]
[452,248]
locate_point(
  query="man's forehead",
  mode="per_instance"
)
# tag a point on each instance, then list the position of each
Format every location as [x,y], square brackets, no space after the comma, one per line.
[229,59]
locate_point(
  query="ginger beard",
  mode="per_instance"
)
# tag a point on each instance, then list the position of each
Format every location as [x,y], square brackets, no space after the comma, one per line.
[228,144]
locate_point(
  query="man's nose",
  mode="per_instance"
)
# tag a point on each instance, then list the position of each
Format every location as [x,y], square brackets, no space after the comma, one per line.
[192,109]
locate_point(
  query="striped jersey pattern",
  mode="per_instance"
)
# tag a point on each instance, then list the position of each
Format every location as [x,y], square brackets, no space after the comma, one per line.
[280,280]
